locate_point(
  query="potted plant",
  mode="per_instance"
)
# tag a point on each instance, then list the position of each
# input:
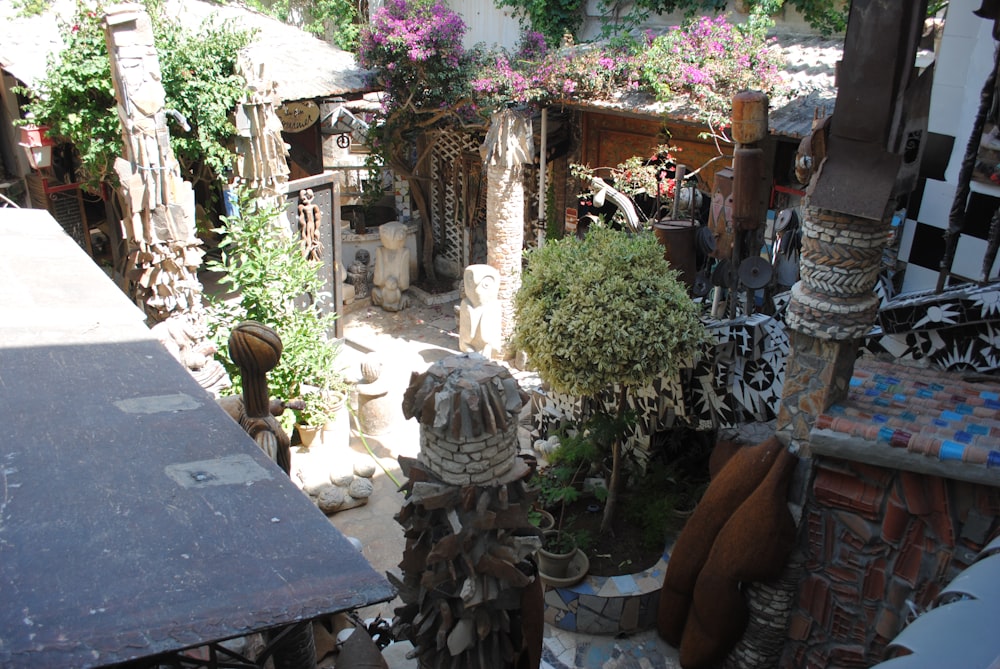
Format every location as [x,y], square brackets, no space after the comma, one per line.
[605,314]
[560,484]
[323,410]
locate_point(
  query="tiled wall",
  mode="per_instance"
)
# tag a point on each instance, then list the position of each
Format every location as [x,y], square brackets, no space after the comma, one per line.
[879,545]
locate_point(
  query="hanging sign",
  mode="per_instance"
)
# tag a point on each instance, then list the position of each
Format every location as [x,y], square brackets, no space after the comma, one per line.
[297,116]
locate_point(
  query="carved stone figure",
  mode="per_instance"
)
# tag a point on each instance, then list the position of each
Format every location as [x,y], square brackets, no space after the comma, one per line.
[359,274]
[479,315]
[392,268]
[378,408]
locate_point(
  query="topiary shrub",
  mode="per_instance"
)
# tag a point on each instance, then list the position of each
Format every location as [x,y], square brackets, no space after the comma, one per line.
[604,310]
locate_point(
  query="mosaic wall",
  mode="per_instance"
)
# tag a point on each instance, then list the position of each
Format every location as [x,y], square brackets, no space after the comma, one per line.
[740,377]
[956,330]
[879,545]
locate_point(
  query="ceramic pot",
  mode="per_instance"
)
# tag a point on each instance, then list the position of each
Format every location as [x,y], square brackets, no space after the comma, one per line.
[552,564]
[546,521]
[308,434]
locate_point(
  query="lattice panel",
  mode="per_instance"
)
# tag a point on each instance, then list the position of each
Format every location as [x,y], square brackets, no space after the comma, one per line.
[446,193]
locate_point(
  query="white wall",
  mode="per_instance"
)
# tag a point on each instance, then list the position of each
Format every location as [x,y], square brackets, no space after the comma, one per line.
[787,21]
[487,24]
[490,25]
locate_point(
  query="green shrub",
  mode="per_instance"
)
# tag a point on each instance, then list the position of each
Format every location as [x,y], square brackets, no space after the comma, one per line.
[604,310]
[273,283]
[77,99]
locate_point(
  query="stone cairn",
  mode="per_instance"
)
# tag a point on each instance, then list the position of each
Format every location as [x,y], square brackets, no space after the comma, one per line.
[470,589]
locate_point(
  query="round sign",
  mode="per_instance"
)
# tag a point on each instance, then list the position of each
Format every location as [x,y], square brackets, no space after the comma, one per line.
[297,116]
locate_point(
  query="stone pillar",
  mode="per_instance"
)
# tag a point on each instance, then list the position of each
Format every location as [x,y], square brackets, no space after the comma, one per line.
[506,150]
[471,592]
[832,307]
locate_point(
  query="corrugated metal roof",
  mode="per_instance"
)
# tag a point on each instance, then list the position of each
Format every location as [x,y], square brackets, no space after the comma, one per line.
[304,66]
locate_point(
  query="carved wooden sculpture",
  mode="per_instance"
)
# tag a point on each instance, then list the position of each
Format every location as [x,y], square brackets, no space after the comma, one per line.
[256,350]
[309,218]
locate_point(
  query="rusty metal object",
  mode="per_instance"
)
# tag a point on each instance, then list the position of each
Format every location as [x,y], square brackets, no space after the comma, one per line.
[720,214]
[880,46]
[748,164]
[677,239]
[755,272]
[749,117]
[956,215]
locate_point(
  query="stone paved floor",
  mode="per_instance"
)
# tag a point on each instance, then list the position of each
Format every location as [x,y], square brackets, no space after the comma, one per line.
[406,342]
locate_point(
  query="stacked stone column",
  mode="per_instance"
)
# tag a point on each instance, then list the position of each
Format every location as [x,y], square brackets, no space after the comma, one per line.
[832,307]
[471,593]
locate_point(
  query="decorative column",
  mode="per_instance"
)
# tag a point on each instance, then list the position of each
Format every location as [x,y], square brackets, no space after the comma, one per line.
[506,149]
[471,591]
[832,307]
[157,204]
[865,167]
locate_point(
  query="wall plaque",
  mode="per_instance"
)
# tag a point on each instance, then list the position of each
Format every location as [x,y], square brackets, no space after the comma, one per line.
[297,116]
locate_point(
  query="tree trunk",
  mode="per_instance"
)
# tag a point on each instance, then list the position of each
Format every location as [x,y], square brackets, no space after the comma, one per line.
[616,466]
[427,225]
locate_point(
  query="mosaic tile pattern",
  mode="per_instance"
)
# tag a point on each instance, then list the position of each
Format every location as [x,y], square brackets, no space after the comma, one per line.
[955,330]
[562,650]
[738,379]
[608,605]
[939,416]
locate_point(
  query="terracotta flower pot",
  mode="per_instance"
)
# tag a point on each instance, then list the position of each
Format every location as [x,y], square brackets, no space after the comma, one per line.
[308,434]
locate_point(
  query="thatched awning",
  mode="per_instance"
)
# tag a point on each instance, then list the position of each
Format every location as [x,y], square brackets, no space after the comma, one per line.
[305,67]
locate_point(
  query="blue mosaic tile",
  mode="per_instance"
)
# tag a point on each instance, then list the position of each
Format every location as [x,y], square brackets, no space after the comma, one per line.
[568,596]
[626,584]
[567,622]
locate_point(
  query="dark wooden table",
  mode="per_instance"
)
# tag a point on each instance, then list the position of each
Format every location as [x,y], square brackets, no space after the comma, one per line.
[136,517]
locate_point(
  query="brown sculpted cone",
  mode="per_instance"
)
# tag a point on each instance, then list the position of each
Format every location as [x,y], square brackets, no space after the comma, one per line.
[752,546]
[736,481]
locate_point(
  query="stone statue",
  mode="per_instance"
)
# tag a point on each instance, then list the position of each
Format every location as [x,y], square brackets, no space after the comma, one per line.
[392,268]
[359,274]
[479,314]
